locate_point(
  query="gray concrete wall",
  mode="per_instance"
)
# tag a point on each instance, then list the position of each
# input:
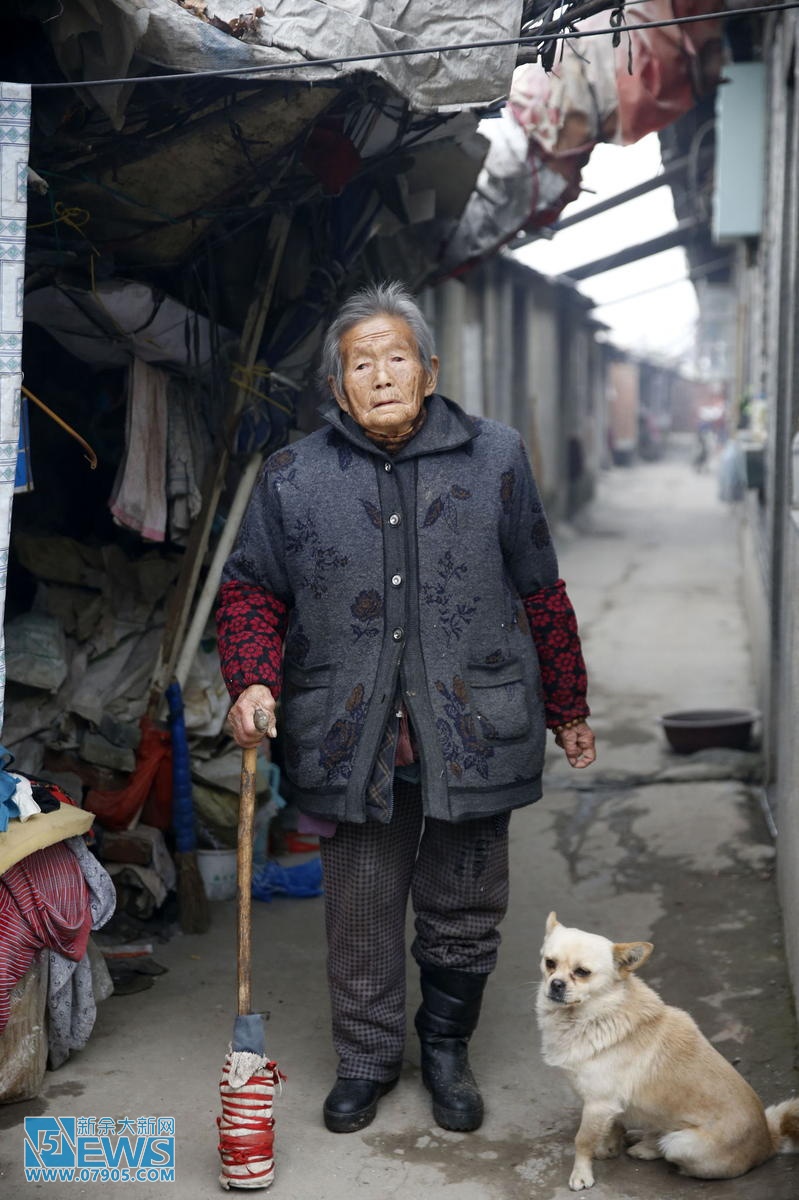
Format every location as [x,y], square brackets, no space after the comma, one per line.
[787,814]
[767,293]
[524,349]
[541,429]
[754,584]
[521,349]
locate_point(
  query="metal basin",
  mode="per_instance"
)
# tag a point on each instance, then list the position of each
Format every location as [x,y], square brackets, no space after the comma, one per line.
[708,728]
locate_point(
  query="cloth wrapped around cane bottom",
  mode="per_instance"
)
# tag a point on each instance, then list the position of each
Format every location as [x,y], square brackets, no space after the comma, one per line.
[246,1127]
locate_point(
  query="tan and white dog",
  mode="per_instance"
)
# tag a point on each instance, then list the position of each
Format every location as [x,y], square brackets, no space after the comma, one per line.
[644,1067]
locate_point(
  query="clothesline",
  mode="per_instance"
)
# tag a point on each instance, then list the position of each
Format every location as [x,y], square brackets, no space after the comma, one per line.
[531,41]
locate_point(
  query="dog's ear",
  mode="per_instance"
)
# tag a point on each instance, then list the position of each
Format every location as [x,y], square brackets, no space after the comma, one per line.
[629,956]
[552,921]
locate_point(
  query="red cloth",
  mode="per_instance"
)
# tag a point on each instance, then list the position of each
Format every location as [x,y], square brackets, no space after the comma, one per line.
[116,808]
[44,903]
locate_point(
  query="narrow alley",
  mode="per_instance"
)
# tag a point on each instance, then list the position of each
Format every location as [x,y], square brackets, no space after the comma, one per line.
[645,845]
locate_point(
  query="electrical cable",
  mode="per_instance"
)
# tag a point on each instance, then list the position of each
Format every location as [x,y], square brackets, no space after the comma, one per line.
[717,264]
[531,41]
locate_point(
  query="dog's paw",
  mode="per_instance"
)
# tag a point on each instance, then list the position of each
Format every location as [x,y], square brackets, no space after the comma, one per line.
[645,1150]
[581,1178]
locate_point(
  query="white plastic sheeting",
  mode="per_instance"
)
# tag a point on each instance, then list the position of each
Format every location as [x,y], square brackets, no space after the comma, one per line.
[120,320]
[93,41]
[501,202]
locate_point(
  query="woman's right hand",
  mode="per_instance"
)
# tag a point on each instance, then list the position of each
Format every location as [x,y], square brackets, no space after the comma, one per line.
[241,718]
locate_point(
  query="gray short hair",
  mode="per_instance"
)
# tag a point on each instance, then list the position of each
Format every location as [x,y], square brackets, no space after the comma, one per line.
[389,299]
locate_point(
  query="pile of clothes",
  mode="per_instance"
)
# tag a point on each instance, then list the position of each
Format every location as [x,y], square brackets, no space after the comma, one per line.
[53,893]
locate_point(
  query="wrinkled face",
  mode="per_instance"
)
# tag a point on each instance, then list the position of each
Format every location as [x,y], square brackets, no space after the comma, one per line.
[384,381]
[577,966]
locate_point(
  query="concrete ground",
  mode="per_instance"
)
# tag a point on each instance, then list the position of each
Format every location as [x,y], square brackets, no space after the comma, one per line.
[644,845]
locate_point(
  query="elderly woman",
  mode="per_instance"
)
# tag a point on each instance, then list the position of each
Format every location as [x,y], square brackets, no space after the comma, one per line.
[395,571]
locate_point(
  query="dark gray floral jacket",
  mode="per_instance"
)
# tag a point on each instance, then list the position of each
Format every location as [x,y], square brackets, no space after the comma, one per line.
[406,575]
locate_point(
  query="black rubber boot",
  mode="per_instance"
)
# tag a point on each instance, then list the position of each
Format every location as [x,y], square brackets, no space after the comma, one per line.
[446,1020]
[352,1104]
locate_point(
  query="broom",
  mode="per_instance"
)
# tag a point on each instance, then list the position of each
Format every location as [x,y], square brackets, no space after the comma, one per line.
[247,1086]
[194,913]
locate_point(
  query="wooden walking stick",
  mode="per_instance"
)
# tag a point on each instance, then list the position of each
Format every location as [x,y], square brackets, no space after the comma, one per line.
[246,1127]
[249,766]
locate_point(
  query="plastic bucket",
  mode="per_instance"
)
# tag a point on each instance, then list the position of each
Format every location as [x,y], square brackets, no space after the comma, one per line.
[218,870]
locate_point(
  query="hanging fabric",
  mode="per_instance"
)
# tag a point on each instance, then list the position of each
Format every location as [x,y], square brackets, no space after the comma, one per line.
[15,108]
[138,499]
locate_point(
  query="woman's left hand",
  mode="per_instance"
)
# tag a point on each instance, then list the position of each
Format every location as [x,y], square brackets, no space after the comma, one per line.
[578,744]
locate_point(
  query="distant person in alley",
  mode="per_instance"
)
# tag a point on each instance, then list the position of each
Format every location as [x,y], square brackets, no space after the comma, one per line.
[395,572]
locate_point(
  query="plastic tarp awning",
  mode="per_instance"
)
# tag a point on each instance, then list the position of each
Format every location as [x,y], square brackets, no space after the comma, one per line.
[554,118]
[94,41]
[119,320]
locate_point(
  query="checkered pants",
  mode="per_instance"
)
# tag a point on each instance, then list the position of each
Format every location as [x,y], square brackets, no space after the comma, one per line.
[457,876]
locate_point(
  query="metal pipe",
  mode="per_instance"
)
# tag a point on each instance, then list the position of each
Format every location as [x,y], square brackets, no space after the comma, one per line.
[666,176]
[666,241]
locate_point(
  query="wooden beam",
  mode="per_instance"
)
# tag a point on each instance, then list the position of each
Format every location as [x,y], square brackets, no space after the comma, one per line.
[683,233]
[182,598]
[666,177]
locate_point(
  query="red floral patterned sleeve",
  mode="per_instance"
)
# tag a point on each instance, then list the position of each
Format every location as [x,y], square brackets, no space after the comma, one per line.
[563,675]
[251,625]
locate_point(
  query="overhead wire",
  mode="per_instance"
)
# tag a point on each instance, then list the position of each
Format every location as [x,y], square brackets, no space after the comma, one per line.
[531,41]
[707,269]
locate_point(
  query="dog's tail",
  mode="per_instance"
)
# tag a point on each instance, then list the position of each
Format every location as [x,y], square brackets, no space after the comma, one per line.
[783,1124]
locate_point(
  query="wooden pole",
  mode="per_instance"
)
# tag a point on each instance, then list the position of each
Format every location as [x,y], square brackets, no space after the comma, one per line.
[224,545]
[182,597]
[678,236]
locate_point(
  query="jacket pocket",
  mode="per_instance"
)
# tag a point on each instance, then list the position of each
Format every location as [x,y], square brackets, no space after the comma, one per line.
[499,700]
[307,701]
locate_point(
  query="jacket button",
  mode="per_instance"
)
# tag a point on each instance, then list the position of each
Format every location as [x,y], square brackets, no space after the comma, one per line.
[396,580]
[394,519]
[398,635]
[387,466]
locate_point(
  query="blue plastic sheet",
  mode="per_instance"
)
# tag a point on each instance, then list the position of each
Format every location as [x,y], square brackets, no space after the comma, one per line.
[8,788]
[182,807]
[23,479]
[302,879]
